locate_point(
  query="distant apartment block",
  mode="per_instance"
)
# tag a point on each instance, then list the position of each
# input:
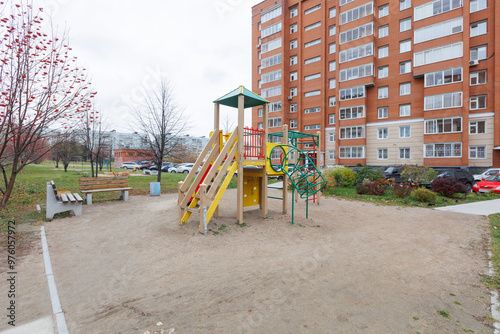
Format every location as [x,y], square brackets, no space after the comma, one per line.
[385,82]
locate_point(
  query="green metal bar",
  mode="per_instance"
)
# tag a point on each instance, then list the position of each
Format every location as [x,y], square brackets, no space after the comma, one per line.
[307,204]
[281,198]
[293,202]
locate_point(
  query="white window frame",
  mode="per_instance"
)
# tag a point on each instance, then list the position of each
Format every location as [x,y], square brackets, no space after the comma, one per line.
[405,110]
[293,107]
[383,51]
[312,26]
[439,30]
[274,122]
[478,28]
[404,131]
[383,112]
[404,150]
[352,132]
[405,46]
[312,43]
[293,91]
[312,9]
[474,127]
[383,10]
[332,48]
[476,100]
[403,24]
[294,12]
[312,93]
[347,152]
[433,8]
[436,126]
[293,76]
[438,54]
[293,60]
[294,44]
[403,67]
[293,123]
[331,118]
[383,72]
[383,92]
[443,77]
[452,147]
[331,137]
[404,88]
[332,83]
[312,60]
[477,5]
[383,31]
[353,112]
[312,127]
[479,52]
[474,152]
[331,155]
[332,30]
[332,12]
[382,153]
[476,75]
[332,65]
[332,101]
[294,28]
[383,133]
[404,4]
[432,99]
[312,76]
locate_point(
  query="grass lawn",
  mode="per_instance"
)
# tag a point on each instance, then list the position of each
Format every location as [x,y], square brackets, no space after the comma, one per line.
[30,189]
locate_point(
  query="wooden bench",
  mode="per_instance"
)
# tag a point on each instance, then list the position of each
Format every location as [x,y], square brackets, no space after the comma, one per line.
[90,185]
[58,201]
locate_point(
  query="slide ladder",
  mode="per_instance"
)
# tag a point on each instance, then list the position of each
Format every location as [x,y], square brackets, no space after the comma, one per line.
[201,193]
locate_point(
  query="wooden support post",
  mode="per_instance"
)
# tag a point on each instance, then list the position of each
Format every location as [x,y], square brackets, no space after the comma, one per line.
[264,172]
[180,198]
[285,177]
[216,116]
[240,155]
[318,164]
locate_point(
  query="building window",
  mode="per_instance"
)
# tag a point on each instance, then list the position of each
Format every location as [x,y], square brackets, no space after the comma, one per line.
[312,77]
[332,48]
[270,15]
[477,127]
[405,131]
[294,12]
[435,7]
[312,43]
[404,110]
[331,154]
[404,4]
[478,28]
[346,152]
[356,33]
[478,78]
[312,9]
[293,28]
[405,24]
[331,137]
[275,122]
[356,52]
[382,133]
[332,101]
[293,60]
[333,12]
[312,93]
[383,10]
[383,51]
[271,45]
[405,67]
[478,102]
[383,112]
[477,152]
[439,30]
[437,54]
[333,30]
[293,91]
[293,123]
[477,5]
[405,88]
[352,93]
[351,112]
[312,60]
[442,101]
[478,52]
[352,132]
[443,150]
[331,119]
[443,125]
[382,154]
[383,72]
[312,26]
[383,31]
[383,92]
[356,72]
[271,91]
[404,153]
[333,83]
[405,46]
[293,76]
[356,13]
[293,44]
[270,61]
[271,30]
[312,127]
[293,107]
[332,66]
[312,110]
[443,77]
[261,112]
[275,106]
[271,76]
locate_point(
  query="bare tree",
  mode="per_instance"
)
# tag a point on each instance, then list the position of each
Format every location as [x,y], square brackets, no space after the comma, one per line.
[66,148]
[228,124]
[160,121]
[41,88]
[92,135]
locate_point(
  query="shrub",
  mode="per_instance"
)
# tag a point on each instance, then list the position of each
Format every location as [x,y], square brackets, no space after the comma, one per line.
[329,176]
[362,189]
[366,173]
[420,174]
[448,186]
[368,187]
[402,190]
[423,195]
[340,176]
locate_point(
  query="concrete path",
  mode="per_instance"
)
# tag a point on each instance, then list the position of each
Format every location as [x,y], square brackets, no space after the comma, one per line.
[277,185]
[484,208]
[40,326]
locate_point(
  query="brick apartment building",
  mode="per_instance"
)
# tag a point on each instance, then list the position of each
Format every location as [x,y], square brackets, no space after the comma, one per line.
[385,82]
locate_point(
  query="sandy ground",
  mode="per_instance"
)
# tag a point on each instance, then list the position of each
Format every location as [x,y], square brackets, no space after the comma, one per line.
[123,267]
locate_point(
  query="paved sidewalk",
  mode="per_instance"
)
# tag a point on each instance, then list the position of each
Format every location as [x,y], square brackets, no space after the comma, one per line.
[484,208]
[40,326]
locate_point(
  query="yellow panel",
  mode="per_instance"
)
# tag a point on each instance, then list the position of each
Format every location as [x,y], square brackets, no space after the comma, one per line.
[251,190]
[270,171]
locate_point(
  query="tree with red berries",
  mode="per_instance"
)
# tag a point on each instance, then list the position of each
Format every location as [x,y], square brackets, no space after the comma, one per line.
[42,88]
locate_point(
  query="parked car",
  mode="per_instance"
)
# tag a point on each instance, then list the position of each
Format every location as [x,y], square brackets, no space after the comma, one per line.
[462,176]
[490,184]
[394,172]
[173,168]
[130,165]
[185,168]
[163,165]
[485,174]
[150,171]
[146,165]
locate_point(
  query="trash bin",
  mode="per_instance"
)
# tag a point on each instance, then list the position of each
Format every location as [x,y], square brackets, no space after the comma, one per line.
[154,188]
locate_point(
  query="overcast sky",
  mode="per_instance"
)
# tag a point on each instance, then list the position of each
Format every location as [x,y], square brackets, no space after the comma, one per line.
[202,46]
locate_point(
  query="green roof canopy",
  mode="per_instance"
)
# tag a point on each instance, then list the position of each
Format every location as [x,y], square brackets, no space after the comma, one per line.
[251,99]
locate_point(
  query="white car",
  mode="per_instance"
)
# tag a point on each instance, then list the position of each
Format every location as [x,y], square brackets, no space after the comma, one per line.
[485,174]
[130,165]
[185,168]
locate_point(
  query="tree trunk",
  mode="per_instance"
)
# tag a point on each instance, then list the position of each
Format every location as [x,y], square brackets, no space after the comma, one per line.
[66,164]
[8,189]
[158,177]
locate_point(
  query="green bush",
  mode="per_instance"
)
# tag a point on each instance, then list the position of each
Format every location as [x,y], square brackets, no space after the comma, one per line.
[423,195]
[401,190]
[366,173]
[329,177]
[419,174]
[344,177]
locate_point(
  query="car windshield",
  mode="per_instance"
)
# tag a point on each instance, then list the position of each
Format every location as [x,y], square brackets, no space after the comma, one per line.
[494,178]
[389,170]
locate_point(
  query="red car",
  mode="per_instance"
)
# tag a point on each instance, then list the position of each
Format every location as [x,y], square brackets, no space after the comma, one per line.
[490,184]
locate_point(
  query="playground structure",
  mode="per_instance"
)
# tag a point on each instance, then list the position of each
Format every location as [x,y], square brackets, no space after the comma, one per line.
[247,153]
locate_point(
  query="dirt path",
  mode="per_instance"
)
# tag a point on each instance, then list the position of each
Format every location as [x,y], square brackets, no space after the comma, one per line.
[122,267]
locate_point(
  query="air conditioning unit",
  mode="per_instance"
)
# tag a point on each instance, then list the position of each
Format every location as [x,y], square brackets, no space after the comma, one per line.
[290,97]
[258,46]
[473,62]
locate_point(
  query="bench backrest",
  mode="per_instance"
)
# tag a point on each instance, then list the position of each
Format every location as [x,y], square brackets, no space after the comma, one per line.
[94,183]
[53,185]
